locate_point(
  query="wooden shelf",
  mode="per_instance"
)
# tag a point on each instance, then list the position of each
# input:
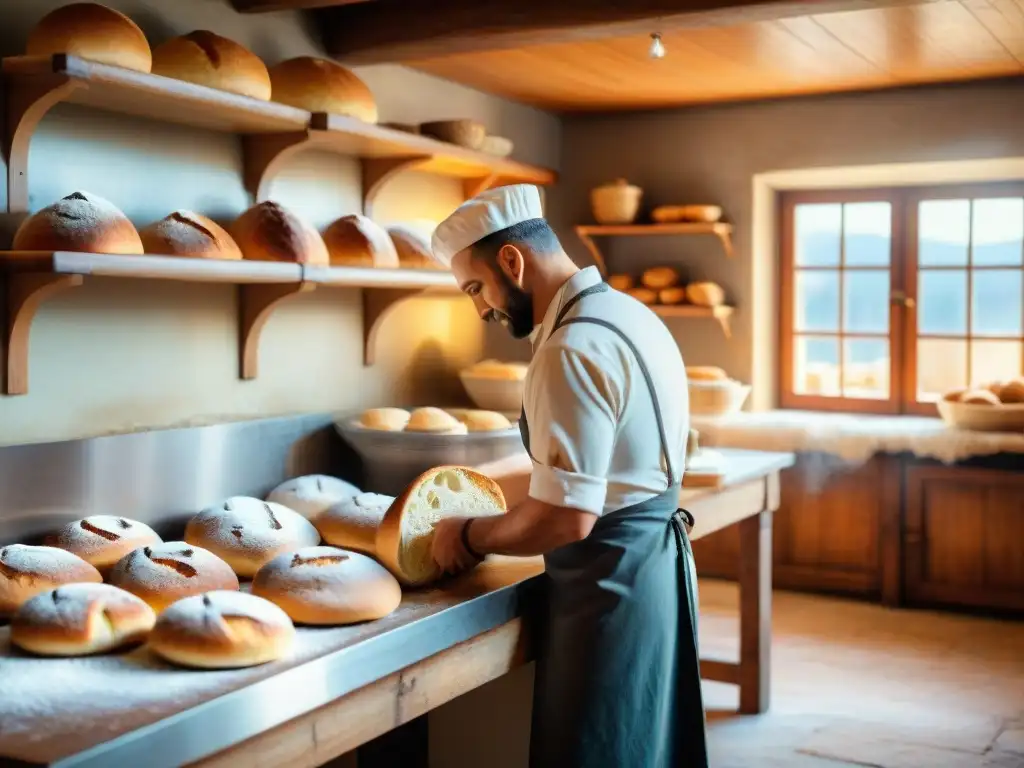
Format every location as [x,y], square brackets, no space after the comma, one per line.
[722,314]
[32,277]
[587,232]
[272,131]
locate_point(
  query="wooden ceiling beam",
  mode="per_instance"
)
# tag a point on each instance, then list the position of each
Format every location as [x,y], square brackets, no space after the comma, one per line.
[410,30]
[265,6]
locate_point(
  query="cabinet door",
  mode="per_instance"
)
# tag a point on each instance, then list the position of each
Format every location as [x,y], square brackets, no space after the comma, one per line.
[964,542]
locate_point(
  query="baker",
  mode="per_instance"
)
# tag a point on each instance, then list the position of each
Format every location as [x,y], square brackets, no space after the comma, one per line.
[605,420]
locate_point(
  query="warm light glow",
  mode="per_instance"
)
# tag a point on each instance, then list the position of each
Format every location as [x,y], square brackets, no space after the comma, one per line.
[657,49]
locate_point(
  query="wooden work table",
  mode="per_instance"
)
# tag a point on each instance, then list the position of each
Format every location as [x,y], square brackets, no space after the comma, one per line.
[346,686]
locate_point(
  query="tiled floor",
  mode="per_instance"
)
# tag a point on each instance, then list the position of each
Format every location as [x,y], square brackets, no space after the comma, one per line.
[860,685]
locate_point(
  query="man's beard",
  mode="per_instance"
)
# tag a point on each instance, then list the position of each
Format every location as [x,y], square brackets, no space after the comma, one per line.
[517,316]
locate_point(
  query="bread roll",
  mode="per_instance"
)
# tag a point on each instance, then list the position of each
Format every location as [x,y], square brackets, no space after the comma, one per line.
[644,295]
[325,585]
[494,369]
[184,233]
[435,421]
[979,397]
[222,630]
[385,419]
[318,85]
[80,620]
[93,32]
[270,232]
[81,222]
[995,387]
[102,540]
[353,523]
[356,241]
[705,294]
[482,421]
[412,247]
[657,278]
[312,494]
[622,282]
[954,395]
[204,58]
[247,532]
[26,571]
[670,296]
[164,573]
[1012,392]
[705,373]
[405,534]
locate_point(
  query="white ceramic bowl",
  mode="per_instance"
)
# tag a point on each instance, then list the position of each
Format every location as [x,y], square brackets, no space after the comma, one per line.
[493,394]
[717,398]
[983,418]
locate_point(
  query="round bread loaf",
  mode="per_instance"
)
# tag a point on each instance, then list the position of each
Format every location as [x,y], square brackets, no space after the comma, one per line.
[356,241]
[954,395]
[164,573]
[434,421]
[385,419]
[247,532]
[979,397]
[184,233]
[270,232]
[670,296]
[413,248]
[93,32]
[325,585]
[80,620]
[705,373]
[482,421]
[318,85]
[705,294]
[222,630]
[657,278]
[621,282]
[26,571]
[81,222]
[494,369]
[644,295]
[1012,392]
[405,534]
[102,540]
[312,494]
[204,58]
[353,523]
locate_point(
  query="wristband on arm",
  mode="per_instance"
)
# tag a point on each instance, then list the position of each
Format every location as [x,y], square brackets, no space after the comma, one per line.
[465,541]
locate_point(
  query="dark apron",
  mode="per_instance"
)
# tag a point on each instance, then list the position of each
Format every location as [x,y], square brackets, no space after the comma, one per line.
[618,676]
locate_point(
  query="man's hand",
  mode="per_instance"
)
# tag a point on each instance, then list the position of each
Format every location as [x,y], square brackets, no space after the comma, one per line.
[447,548]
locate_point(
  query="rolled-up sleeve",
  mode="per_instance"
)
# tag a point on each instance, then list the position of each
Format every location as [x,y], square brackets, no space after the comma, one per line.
[573,406]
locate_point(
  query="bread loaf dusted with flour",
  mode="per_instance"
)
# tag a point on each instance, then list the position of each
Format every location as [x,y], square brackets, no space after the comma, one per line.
[353,523]
[163,573]
[81,222]
[185,233]
[102,540]
[405,534]
[270,232]
[26,571]
[310,495]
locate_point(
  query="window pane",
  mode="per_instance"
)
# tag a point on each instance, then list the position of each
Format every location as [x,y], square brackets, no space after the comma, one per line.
[943,231]
[941,366]
[817,229]
[995,361]
[866,368]
[998,231]
[996,305]
[817,300]
[866,301]
[866,233]
[816,365]
[942,296]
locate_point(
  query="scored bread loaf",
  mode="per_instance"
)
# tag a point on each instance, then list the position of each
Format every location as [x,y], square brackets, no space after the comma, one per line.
[353,523]
[413,248]
[657,278]
[184,233]
[435,421]
[357,241]
[164,573]
[102,540]
[204,58]
[310,495]
[318,85]
[270,232]
[247,532]
[26,571]
[222,630]
[644,295]
[405,534]
[80,620]
[81,222]
[385,419]
[705,294]
[326,585]
[94,32]
[621,282]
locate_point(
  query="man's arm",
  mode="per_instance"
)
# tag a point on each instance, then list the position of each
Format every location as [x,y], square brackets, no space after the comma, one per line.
[532,527]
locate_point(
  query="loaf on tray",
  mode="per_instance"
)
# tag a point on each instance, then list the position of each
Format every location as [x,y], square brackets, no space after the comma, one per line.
[353,523]
[164,573]
[26,571]
[310,495]
[102,540]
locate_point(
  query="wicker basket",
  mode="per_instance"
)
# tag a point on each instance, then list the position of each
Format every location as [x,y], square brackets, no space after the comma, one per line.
[983,418]
[616,203]
[717,398]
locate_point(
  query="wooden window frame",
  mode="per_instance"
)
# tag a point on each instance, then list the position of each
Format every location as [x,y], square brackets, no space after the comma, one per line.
[903,266]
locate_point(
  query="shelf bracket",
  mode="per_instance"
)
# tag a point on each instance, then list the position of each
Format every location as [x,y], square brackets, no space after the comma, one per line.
[256,303]
[726,239]
[724,320]
[265,154]
[27,102]
[25,293]
[377,305]
[378,171]
[595,252]
[473,187]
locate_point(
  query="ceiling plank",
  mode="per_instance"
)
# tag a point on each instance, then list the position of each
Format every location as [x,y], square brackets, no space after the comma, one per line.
[264,6]
[403,30]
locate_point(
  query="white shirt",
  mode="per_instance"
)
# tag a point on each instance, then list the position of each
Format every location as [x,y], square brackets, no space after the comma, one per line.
[593,433]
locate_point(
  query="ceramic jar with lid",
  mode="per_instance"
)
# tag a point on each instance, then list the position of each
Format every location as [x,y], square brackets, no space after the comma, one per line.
[616,203]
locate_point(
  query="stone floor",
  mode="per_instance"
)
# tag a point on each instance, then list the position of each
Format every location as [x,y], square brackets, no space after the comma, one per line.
[860,685]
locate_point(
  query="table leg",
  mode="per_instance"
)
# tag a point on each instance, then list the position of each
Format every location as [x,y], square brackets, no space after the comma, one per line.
[755,580]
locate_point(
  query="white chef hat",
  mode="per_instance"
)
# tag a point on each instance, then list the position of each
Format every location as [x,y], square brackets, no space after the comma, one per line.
[487,213]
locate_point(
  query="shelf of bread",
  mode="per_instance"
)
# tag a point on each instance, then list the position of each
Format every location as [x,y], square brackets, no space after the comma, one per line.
[587,232]
[668,295]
